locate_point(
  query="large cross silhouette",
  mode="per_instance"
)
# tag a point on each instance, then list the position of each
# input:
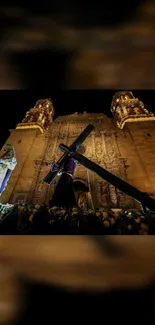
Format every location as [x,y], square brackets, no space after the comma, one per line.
[49,178]
[143,198]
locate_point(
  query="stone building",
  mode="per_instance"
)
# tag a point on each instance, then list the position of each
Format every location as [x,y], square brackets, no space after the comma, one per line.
[124,145]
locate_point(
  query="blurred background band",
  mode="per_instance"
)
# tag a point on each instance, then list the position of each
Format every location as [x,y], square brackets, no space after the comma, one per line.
[75,264]
[108,45]
[79,262]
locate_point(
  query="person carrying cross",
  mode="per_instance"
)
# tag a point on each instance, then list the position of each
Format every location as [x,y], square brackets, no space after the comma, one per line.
[64,192]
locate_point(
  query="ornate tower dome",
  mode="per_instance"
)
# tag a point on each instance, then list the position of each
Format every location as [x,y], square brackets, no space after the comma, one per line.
[40,116]
[126,108]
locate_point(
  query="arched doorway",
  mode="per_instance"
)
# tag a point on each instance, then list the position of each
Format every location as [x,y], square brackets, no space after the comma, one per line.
[82,194]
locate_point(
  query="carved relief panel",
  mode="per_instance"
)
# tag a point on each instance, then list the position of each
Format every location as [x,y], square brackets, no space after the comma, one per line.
[99,153]
[40,190]
[111,148]
[107,156]
[37,193]
[34,181]
[64,130]
[52,149]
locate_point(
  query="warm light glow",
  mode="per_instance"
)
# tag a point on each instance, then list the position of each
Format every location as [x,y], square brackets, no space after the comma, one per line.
[28,126]
[135,119]
[126,108]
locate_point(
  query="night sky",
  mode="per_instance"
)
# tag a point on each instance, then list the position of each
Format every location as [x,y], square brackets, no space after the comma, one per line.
[14,104]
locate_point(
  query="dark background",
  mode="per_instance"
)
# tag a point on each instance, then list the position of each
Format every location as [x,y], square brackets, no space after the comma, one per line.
[35,65]
[14,104]
[50,304]
[74,12]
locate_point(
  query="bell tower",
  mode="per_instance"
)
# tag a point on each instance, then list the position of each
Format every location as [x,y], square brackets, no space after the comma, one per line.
[126,108]
[29,141]
[38,117]
[136,142]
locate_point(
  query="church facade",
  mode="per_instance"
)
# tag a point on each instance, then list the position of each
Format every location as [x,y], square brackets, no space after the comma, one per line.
[123,144]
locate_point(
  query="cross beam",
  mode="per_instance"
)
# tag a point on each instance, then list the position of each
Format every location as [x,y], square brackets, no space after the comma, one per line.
[143,198]
[75,145]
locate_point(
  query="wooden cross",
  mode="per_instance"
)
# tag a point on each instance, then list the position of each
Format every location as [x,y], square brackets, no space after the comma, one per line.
[143,198]
[75,145]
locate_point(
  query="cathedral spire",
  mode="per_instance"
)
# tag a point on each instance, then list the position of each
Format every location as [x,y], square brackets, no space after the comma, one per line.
[126,108]
[40,116]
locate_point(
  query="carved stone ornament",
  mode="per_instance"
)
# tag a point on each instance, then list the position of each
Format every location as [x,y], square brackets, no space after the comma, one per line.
[126,108]
[41,116]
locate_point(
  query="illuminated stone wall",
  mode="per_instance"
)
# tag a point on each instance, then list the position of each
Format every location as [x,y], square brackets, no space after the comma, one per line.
[128,153]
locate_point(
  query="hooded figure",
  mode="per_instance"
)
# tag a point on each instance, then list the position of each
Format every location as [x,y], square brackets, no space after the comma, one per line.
[64,192]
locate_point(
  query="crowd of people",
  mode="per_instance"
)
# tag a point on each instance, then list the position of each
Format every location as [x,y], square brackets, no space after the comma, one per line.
[62,216]
[22,218]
